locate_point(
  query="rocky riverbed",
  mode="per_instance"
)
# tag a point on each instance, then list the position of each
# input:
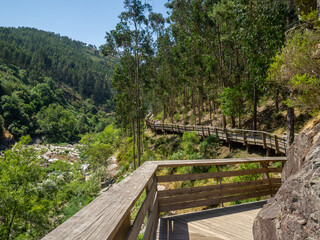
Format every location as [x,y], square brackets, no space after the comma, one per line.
[71,154]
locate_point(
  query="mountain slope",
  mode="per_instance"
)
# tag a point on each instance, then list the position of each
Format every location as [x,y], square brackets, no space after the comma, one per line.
[66,61]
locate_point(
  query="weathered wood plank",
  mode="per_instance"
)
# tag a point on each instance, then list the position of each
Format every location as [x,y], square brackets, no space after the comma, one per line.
[215,201]
[214,194]
[183,191]
[104,216]
[152,221]
[136,226]
[208,162]
[197,176]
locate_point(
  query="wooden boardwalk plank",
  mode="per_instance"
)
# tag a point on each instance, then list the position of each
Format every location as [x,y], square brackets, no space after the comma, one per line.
[103,217]
[229,223]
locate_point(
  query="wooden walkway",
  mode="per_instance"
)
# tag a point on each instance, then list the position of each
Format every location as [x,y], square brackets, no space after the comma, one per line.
[228,223]
[246,137]
[108,216]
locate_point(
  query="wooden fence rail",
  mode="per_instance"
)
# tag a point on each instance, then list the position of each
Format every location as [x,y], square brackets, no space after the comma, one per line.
[247,137]
[108,216]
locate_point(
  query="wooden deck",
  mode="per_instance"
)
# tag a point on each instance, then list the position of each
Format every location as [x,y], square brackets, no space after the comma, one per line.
[228,223]
[108,216]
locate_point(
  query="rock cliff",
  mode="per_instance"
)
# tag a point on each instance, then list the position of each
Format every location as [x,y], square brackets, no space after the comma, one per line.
[294,212]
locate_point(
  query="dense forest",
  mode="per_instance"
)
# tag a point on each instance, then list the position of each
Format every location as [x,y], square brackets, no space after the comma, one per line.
[52,87]
[221,60]
[66,61]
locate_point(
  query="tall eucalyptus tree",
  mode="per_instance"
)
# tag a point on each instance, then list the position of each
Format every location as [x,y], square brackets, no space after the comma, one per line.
[131,40]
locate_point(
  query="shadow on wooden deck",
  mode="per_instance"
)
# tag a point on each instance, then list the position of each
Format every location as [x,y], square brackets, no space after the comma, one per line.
[234,222]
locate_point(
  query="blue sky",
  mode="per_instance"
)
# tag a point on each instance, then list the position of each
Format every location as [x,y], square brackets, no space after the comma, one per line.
[83,20]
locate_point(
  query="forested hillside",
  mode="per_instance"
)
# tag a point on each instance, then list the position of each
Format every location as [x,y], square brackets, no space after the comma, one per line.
[216,62]
[52,87]
[64,60]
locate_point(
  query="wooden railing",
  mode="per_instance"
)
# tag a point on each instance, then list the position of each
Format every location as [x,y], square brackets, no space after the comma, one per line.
[108,216]
[247,137]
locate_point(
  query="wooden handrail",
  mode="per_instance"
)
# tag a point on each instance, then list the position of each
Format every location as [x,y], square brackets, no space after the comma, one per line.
[247,137]
[108,216]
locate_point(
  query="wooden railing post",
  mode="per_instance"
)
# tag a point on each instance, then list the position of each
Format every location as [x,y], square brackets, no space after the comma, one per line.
[185,128]
[172,127]
[244,138]
[124,229]
[264,140]
[276,144]
[219,179]
[264,175]
[216,132]
[202,132]
[226,132]
[208,131]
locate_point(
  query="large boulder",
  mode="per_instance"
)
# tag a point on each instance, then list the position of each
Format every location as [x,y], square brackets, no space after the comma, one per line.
[294,212]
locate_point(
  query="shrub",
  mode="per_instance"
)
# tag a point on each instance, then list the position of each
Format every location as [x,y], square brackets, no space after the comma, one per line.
[209,148]
[189,142]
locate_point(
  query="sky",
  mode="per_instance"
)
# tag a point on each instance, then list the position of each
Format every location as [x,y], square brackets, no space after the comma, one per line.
[83,20]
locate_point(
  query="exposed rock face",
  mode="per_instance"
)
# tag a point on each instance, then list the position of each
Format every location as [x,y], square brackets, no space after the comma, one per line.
[294,213]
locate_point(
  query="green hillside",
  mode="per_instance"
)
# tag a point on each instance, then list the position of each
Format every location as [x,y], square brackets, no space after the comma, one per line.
[66,61]
[52,87]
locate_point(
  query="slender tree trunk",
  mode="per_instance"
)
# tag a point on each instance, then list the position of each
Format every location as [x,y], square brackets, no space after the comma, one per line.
[164,116]
[141,141]
[134,144]
[172,108]
[138,107]
[224,121]
[210,110]
[290,126]
[290,110]
[233,122]
[277,100]
[184,97]
[193,105]
[318,8]
[255,104]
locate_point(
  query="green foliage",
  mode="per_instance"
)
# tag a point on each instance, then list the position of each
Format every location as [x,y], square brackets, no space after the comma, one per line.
[295,70]
[189,142]
[97,148]
[64,60]
[209,148]
[232,101]
[33,194]
[57,124]
[21,203]
[248,177]
[24,106]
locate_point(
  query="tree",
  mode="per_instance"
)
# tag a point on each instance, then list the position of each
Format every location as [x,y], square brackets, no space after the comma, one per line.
[232,103]
[57,124]
[131,40]
[22,206]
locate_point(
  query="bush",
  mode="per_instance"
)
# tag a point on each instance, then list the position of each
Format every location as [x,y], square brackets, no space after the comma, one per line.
[189,142]
[210,147]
